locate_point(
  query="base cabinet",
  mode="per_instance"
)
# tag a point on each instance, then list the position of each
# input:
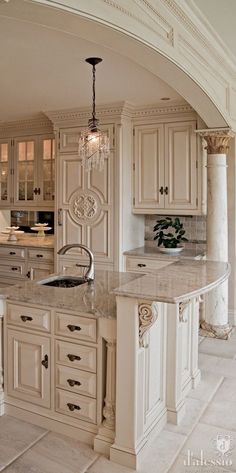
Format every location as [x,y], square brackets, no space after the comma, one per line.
[28,373]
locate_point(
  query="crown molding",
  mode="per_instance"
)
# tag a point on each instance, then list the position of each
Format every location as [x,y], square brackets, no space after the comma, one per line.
[39,124]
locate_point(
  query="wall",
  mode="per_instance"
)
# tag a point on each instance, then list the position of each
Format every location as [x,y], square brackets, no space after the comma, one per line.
[195,227]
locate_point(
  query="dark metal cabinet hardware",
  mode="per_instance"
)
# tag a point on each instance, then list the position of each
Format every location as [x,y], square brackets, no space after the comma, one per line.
[44,362]
[72,407]
[12,253]
[166,190]
[39,256]
[141,265]
[161,190]
[14,268]
[72,382]
[73,328]
[26,318]
[73,357]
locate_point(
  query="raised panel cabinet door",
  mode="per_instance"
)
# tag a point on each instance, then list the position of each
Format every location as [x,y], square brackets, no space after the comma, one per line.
[46,170]
[28,367]
[180,166]
[149,167]
[25,188]
[6,185]
[39,271]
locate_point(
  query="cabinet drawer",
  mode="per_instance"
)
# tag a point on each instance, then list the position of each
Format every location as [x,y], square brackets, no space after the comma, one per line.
[79,328]
[74,405]
[41,255]
[28,317]
[76,356]
[77,381]
[14,269]
[12,252]
[145,265]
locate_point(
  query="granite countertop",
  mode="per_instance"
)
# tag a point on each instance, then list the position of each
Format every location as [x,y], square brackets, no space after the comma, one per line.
[94,299]
[178,282]
[153,252]
[29,239]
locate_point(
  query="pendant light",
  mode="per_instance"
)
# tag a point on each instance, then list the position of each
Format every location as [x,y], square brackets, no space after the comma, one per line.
[93,143]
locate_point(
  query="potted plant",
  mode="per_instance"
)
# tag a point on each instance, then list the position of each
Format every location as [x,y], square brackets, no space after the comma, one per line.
[169,241]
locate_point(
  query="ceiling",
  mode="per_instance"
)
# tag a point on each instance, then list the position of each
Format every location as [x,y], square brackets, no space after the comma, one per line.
[44,69]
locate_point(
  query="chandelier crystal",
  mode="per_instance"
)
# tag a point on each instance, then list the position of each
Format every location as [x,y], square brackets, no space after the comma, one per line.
[94,146]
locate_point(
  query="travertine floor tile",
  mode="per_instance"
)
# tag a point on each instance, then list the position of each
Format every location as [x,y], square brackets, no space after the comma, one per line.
[217,365]
[103,465]
[161,454]
[222,348]
[205,438]
[15,437]
[221,414]
[207,387]
[194,409]
[227,391]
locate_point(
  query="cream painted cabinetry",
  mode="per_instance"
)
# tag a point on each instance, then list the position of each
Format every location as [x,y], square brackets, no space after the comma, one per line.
[166,178]
[27,170]
[51,361]
[19,263]
[138,264]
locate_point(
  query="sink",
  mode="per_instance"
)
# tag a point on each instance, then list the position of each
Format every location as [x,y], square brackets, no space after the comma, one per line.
[63,281]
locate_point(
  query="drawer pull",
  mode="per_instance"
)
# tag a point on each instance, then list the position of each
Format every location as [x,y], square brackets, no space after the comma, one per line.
[39,256]
[73,357]
[72,382]
[141,265]
[26,318]
[72,328]
[161,190]
[72,407]
[12,253]
[14,268]
[44,362]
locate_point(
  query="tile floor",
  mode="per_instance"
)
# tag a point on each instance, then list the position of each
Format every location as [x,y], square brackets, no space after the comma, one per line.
[192,447]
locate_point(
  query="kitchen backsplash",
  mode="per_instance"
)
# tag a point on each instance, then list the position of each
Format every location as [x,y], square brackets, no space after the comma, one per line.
[195,227]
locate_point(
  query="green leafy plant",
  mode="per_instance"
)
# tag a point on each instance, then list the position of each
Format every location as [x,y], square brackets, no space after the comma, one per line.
[165,237]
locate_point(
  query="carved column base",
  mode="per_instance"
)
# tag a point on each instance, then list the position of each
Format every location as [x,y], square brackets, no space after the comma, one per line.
[215,331]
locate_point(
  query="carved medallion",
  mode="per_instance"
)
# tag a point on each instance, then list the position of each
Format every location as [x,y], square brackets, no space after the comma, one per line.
[148,314]
[182,311]
[85,206]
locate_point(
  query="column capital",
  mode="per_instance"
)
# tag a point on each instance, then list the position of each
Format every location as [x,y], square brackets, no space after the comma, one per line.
[217,139]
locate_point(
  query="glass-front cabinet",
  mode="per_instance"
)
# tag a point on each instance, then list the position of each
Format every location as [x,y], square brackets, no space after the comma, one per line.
[5,173]
[27,170]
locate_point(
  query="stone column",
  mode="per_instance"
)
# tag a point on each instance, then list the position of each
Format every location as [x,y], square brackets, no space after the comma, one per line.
[216,302]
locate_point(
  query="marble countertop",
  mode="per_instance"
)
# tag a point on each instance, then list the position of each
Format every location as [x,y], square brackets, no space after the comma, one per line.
[29,239]
[153,252]
[177,282]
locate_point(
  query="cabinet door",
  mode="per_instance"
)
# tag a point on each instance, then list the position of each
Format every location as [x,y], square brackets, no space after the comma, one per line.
[46,170]
[85,203]
[5,173]
[25,171]
[39,271]
[180,166]
[149,167]
[28,367]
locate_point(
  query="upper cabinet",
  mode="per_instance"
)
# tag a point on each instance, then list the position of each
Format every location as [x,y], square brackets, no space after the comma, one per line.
[27,169]
[166,171]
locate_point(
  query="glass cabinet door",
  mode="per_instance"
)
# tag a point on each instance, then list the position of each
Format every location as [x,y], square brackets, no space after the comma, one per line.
[25,171]
[5,170]
[47,184]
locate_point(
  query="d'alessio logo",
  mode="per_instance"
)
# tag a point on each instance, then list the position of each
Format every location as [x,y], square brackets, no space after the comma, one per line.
[223,445]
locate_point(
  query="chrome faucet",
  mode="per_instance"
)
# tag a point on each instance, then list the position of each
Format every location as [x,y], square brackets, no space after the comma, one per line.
[89,275]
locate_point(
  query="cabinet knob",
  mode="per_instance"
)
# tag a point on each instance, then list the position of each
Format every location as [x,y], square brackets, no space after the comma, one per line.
[73,383]
[166,190]
[12,253]
[73,357]
[72,407]
[141,265]
[26,318]
[39,256]
[44,362]
[161,190]
[73,328]
[14,268]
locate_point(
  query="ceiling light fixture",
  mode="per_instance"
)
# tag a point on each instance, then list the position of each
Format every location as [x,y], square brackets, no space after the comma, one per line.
[93,143]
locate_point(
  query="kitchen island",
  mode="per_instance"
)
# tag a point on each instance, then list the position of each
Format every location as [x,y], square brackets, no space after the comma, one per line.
[107,362]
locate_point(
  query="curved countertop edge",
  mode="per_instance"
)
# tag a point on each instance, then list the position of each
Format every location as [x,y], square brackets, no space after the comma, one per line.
[144,287]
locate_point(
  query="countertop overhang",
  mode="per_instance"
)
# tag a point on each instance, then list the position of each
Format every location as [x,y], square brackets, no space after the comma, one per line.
[177,282]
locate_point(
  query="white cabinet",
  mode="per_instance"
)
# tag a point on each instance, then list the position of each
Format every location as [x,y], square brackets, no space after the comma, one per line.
[166,168]
[27,170]
[28,373]
[85,201]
